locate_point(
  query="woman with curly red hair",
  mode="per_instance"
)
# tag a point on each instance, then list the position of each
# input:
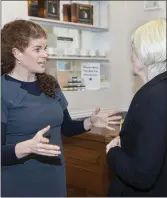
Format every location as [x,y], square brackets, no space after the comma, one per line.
[34,115]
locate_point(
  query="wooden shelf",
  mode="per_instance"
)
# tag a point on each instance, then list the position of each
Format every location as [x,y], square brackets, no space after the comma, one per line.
[56,23]
[78,58]
[104,85]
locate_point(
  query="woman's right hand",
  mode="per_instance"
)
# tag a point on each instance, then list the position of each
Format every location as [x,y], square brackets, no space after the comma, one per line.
[39,144]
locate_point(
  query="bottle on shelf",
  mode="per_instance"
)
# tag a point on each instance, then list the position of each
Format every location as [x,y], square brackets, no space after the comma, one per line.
[67,12]
[33,8]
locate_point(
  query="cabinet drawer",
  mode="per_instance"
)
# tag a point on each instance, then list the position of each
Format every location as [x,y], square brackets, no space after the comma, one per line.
[82,154]
[81,157]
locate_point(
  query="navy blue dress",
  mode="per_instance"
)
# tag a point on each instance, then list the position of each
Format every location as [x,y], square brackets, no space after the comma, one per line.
[25,113]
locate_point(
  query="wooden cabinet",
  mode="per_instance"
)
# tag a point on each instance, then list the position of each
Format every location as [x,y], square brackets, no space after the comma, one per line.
[86,166]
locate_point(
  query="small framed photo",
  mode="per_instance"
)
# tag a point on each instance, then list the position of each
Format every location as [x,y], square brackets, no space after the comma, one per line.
[82,13]
[151,5]
[52,9]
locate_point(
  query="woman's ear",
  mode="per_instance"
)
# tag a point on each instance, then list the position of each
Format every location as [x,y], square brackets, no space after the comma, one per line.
[16,53]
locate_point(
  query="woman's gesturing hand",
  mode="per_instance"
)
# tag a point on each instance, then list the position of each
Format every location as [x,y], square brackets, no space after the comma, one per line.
[39,144]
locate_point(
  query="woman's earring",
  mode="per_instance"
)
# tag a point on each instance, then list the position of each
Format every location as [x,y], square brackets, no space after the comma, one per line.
[18,62]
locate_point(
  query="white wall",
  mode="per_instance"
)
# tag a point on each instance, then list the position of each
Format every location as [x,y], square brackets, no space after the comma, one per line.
[13,9]
[125,16]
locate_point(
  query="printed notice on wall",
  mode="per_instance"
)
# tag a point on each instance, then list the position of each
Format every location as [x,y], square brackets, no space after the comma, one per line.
[90,72]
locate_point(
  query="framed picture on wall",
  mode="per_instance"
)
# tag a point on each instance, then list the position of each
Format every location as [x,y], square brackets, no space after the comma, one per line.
[151,5]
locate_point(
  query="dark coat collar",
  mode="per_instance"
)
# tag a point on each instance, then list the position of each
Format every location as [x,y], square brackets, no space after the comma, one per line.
[158,78]
[152,82]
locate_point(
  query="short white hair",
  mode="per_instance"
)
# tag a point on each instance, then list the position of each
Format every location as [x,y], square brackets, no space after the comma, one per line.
[149,44]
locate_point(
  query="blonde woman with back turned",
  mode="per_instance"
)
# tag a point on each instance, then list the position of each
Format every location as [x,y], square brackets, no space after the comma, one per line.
[139,156]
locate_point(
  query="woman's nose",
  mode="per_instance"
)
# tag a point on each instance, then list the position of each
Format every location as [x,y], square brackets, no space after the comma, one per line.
[44,54]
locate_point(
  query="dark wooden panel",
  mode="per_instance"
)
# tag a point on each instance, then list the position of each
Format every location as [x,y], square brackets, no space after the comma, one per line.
[89,180]
[86,166]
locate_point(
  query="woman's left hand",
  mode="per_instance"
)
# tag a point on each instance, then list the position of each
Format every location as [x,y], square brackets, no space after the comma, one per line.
[103,120]
[94,117]
[89,122]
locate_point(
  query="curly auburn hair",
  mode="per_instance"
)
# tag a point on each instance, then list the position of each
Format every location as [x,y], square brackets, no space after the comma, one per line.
[17,34]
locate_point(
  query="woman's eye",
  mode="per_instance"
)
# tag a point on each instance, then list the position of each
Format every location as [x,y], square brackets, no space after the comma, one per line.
[37,50]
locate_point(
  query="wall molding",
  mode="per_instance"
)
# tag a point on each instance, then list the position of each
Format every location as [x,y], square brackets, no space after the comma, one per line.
[88,112]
